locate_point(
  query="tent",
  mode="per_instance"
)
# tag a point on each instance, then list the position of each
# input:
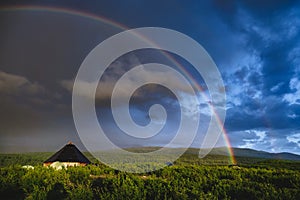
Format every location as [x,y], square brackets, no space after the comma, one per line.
[69,155]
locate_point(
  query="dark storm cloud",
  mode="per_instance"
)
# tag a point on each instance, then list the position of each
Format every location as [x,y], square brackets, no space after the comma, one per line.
[32,117]
[270,33]
[38,50]
[45,45]
[22,102]
[254,43]
[261,9]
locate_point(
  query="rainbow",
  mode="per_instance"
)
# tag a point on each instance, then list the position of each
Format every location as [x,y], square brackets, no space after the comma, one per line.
[65,11]
[220,123]
[123,27]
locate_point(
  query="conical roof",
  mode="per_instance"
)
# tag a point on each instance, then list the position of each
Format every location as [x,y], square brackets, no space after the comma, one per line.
[69,153]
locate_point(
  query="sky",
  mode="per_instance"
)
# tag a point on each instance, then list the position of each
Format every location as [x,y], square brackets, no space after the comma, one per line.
[255,45]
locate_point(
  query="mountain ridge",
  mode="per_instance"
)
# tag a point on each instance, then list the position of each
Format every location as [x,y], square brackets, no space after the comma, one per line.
[237,152]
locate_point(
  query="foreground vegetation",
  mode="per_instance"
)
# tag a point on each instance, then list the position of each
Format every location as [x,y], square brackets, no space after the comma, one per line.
[188,178]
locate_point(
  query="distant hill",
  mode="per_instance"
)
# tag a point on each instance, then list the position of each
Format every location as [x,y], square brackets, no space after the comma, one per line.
[238,152]
[262,154]
[218,156]
[245,152]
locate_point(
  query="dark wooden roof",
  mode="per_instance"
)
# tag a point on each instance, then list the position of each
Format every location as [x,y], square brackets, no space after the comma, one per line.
[69,153]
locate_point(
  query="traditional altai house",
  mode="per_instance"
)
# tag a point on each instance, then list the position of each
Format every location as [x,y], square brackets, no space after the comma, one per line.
[69,155]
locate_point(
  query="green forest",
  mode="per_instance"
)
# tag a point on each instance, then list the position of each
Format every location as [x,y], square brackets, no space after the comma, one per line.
[188,178]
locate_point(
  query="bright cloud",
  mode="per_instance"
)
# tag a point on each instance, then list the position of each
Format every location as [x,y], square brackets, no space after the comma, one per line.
[12,84]
[293,98]
[295,138]
[257,138]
